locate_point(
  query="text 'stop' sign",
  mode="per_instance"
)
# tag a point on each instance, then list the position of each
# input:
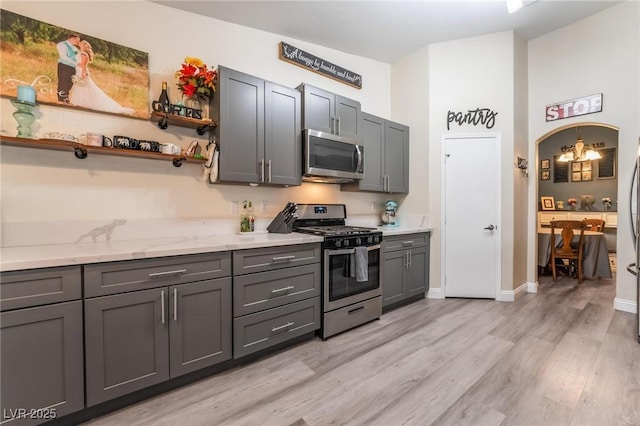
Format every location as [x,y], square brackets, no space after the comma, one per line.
[306,60]
[574,107]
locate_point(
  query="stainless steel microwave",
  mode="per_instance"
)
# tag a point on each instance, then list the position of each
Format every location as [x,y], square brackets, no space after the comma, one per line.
[330,158]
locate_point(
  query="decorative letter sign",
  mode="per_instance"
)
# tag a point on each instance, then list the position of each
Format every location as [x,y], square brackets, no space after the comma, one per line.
[483,116]
[580,106]
[306,60]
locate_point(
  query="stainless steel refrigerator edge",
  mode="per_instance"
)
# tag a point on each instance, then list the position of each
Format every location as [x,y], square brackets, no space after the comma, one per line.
[634,208]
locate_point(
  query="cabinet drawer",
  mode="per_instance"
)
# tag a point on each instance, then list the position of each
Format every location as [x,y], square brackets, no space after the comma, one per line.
[23,289]
[405,241]
[261,330]
[271,258]
[118,277]
[256,292]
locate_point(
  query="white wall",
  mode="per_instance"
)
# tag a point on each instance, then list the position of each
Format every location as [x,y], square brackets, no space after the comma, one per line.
[466,74]
[599,54]
[42,185]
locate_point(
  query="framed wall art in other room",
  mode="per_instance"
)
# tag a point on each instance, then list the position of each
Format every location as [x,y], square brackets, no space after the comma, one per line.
[576,176]
[545,164]
[545,174]
[586,175]
[72,69]
[547,203]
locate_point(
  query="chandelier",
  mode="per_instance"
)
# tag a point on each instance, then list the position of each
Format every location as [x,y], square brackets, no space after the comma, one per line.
[578,152]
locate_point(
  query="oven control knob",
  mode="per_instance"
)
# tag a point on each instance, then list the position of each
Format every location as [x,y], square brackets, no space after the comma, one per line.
[346,243]
[338,243]
[369,240]
[358,241]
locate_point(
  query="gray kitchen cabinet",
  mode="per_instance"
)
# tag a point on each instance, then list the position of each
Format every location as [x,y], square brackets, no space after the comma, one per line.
[406,267]
[42,363]
[135,339]
[328,112]
[276,295]
[386,165]
[199,325]
[127,343]
[259,130]
[41,360]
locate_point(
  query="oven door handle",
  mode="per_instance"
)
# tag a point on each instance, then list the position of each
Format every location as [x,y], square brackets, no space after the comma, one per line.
[340,252]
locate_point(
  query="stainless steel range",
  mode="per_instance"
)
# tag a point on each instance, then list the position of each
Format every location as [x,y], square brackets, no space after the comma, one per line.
[352,267]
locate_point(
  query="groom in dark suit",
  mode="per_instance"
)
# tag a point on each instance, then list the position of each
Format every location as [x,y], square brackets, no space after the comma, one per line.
[67,49]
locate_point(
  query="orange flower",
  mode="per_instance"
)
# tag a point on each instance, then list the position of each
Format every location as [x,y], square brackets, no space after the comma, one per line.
[195,79]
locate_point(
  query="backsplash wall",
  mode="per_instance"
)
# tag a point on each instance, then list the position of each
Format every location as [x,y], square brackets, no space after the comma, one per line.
[41,186]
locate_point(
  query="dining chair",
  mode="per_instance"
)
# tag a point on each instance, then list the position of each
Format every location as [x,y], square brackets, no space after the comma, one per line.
[594,224]
[565,250]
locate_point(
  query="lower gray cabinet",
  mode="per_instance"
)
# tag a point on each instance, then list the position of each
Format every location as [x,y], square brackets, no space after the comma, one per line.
[138,339]
[406,267]
[42,368]
[276,295]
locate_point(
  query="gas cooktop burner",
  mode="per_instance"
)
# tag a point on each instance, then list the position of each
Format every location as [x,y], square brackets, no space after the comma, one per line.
[336,230]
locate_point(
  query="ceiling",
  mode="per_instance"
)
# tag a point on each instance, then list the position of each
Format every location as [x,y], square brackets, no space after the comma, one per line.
[388,30]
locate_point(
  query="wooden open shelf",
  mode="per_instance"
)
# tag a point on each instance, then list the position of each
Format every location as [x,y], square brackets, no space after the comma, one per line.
[82,151]
[164,119]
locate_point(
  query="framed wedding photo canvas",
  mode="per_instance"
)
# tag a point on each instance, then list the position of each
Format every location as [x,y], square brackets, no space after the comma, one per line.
[547,203]
[72,69]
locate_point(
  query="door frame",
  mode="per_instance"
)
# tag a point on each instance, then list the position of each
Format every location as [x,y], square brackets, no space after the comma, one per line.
[497,154]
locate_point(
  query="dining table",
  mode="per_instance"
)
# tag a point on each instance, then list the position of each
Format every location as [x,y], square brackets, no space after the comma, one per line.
[595,255]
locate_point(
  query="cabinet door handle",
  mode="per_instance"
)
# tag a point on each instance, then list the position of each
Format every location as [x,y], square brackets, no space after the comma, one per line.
[168,273]
[333,125]
[283,258]
[282,327]
[338,123]
[175,304]
[280,290]
[270,171]
[162,305]
[262,170]
[410,255]
[406,263]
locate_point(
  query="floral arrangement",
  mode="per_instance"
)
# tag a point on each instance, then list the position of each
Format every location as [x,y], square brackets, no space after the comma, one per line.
[572,201]
[196,80]
[606,202]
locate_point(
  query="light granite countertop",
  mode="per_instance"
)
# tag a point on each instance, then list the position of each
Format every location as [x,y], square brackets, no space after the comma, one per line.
[44,256]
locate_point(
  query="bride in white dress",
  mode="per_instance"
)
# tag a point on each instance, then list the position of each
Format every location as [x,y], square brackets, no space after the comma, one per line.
[85,93]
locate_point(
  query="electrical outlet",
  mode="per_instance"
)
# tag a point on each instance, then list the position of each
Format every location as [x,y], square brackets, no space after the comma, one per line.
[234,208]
[263,206]
[373,207]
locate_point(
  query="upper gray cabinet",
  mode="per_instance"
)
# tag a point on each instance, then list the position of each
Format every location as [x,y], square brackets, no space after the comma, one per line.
[386,164]
[259,130]
[327,112]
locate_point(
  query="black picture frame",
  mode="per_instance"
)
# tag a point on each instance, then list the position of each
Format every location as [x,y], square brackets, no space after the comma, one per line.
[545,164]
[545,174]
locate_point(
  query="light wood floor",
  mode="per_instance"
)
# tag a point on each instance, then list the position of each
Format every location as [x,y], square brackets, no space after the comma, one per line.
[561,357]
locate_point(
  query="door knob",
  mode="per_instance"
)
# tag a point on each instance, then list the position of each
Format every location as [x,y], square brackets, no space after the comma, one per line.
[490,227]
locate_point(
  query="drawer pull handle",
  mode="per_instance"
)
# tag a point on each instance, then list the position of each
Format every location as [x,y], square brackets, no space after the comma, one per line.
[356,310]
[283,258]
[406,243]
[164,274]
[280,290]
[282,327]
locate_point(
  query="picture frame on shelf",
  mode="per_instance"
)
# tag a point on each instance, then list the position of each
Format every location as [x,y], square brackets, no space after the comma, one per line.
[545,164]
[548,203]
[545,174]
[576,176]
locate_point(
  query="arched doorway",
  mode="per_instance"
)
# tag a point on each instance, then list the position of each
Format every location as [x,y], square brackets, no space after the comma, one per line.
[591,183]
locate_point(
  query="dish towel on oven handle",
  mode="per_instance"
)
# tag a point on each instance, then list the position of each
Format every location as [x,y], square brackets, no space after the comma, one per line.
[362,264]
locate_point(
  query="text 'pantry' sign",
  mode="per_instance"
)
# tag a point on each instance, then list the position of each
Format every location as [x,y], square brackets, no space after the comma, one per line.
[306,60]
[574,107]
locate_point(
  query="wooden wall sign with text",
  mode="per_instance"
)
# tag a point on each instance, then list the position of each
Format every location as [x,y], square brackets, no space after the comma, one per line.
[310,62]
[574,107]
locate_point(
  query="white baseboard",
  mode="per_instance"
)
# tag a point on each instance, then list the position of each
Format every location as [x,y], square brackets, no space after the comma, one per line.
[512,295]
[435,293]
[625,305]
[532,287]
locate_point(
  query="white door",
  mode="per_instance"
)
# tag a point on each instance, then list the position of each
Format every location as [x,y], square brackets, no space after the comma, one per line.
[471,196]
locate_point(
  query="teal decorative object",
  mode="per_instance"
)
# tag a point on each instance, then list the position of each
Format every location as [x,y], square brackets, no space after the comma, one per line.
[25,117]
